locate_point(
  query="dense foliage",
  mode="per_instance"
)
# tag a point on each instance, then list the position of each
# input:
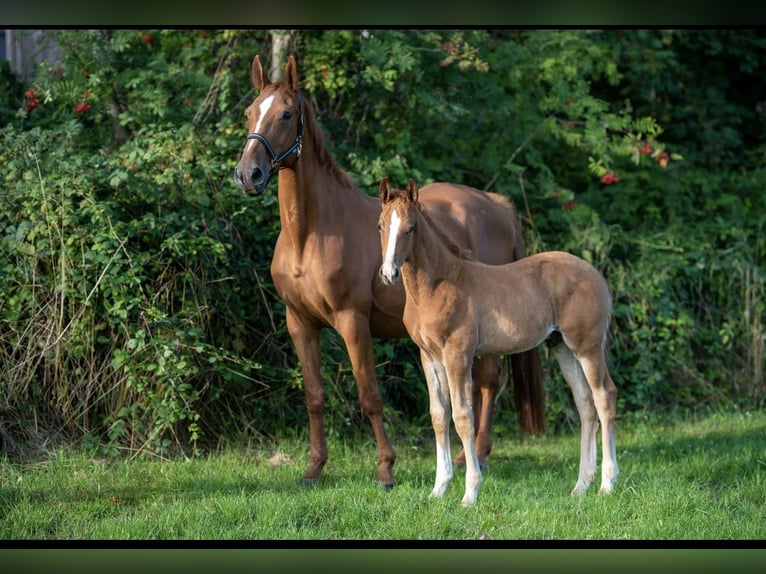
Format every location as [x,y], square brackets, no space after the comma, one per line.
[136,307]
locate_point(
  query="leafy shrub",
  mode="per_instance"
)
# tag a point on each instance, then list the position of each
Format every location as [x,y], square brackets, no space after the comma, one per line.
[137,311]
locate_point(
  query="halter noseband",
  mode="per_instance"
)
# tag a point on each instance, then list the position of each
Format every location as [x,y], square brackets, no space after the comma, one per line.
[296,147]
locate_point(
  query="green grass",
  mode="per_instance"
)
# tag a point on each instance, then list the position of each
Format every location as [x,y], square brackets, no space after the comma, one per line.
[694,478]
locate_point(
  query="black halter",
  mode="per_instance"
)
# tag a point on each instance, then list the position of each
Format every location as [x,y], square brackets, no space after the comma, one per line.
[296,147]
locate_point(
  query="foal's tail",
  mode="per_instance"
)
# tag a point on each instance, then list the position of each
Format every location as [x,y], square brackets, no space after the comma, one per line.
[527,371]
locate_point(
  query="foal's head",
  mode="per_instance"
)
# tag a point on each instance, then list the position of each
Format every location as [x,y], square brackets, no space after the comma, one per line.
[396,225]
[275,128]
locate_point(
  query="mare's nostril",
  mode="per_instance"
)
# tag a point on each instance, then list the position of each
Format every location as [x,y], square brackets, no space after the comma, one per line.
[256,176]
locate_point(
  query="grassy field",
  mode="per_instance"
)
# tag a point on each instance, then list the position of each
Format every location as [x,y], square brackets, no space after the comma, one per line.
[692,478]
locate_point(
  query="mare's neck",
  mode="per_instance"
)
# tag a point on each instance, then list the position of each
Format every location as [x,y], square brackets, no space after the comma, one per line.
[297,204]
[312,196]
[430,262]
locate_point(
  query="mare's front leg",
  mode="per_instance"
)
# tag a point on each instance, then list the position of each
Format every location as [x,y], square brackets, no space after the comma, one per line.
[439,406]
[457,363]
[354,327]
[305,339]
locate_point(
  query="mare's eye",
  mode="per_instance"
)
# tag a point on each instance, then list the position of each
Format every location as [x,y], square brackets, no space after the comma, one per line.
[410,229]
[380,226]
[287,115]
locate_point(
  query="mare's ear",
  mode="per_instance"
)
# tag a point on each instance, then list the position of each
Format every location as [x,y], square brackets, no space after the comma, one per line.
[256,73]
[412,191]
[291,74]
[385,190]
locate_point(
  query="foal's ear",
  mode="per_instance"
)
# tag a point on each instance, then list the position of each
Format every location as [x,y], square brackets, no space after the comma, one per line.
[291,74]
[412,191]
[385,190]
[256,73]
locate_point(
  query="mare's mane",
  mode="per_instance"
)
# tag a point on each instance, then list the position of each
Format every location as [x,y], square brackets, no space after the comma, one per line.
[324,156]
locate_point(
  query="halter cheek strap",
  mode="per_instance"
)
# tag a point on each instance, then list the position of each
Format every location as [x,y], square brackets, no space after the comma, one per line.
[295,148]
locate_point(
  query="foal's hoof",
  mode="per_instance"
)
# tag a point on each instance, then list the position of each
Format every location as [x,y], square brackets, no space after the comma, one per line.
[385,485]
[310,481]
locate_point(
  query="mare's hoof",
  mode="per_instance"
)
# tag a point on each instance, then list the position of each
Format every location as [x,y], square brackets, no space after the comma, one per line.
[385,485]
[310,481]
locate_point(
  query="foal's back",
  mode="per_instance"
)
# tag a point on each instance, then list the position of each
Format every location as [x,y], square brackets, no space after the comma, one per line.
[518,305]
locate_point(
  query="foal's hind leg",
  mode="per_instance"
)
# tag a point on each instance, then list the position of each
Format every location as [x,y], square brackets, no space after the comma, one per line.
[605,398]
[485,373]
[575,378]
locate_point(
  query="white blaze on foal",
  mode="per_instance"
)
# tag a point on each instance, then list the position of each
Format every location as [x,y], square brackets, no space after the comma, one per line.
[390,269]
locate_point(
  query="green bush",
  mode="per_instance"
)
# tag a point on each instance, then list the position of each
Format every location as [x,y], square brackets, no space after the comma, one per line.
[137,310]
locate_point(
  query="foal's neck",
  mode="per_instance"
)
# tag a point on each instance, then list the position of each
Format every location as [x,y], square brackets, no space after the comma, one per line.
[429,263]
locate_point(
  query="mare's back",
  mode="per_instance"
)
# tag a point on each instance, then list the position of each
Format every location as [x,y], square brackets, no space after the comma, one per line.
[472,219]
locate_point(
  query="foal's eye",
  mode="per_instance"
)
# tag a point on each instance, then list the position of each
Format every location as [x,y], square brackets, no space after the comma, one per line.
[380,226]
[287,115]
[410,229]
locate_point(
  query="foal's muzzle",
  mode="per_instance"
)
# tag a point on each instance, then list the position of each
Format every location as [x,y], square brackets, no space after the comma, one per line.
[390,274]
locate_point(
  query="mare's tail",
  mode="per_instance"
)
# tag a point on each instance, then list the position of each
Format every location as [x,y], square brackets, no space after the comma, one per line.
[528,398]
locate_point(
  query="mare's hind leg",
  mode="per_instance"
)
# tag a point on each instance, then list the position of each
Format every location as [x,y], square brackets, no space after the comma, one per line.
[485,373]
[605,398]
[439,405]
[575,378]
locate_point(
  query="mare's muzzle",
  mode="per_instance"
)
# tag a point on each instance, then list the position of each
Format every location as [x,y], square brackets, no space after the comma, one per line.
[252,179]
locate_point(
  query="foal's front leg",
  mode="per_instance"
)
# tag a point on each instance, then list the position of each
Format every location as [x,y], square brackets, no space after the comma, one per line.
[438,392]
[457,362]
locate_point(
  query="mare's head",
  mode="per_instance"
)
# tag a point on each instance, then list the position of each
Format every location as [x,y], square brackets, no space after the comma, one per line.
[397,221]
[275,128]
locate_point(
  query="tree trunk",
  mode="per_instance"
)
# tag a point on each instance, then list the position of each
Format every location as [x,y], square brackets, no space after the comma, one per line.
[280,42]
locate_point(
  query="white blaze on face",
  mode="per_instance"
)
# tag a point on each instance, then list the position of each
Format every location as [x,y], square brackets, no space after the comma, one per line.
[264,107]
[388,269]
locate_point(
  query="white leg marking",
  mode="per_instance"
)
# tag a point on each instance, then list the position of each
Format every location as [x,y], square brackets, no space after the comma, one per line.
[438,392]
[388,268]
[586,409]
[596,372]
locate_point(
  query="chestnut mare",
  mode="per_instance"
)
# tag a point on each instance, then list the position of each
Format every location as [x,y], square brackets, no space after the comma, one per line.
[458,308]
[326,260]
